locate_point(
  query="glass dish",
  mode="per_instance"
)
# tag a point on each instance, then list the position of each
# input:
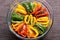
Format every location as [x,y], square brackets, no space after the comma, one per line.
[51,17]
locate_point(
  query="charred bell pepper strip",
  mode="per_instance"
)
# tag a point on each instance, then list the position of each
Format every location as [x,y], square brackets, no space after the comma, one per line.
[32,32]
[22,29]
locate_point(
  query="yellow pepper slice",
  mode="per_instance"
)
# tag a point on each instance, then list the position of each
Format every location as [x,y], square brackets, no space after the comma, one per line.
[29,19]
[43,19]
[20,11]
[34,20]
[32,32]
[25,19]
[44,22]
[20,6]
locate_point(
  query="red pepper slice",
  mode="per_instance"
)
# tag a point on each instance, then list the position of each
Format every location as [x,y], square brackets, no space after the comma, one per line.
[36,9]
[41,15]
[22,30]
[40,12]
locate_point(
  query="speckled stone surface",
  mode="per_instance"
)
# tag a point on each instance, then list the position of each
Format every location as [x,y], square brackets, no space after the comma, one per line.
[54,33]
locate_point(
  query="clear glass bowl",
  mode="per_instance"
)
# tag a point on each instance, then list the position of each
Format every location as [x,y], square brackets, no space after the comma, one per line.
[51,17]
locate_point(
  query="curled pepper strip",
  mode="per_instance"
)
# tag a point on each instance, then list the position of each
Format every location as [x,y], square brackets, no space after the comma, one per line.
[25,19]
[34,20]
[14,26]
[32,32]
[29,19]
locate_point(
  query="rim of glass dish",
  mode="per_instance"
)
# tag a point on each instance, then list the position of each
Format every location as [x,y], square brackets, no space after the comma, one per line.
[51,13]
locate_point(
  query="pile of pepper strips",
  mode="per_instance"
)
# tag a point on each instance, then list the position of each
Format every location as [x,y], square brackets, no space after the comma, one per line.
[30,19]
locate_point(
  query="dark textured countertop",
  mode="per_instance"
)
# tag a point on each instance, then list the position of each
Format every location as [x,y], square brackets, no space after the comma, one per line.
[54,33]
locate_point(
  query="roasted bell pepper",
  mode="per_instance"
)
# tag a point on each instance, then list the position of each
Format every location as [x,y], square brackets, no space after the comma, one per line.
[17,17]
[32,32]
[28,6]
[22,29]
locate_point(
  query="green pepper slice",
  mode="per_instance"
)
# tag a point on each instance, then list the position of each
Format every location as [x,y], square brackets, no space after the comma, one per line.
[40,27]
[17,17]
